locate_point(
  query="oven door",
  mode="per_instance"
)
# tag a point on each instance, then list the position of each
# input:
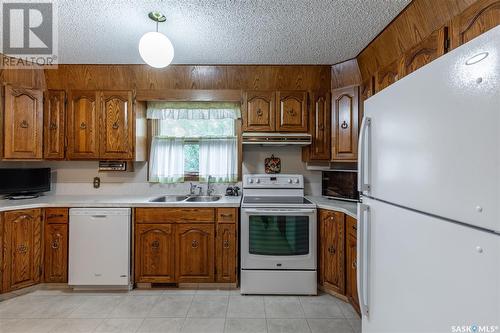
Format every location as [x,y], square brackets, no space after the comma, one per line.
[278,239]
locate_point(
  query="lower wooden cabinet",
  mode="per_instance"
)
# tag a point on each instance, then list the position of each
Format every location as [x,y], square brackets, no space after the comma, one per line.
[56,245]
[154,253]
[22,249]
[194,245]
[351,262]
[331,253]
[226,253]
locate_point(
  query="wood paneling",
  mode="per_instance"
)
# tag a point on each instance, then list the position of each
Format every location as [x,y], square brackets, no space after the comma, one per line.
[154,253]
[54,121]
[226,244]
[259,111]
[22,249]
[346,74]
[386,76]
[116,140]
[33,78]
[475,20]
[291,108]
[174,215]
[320,128]
[143,78]
[194,252]
[345,124]
[23,123]
[419,19]
[351,262]
[56,252]
[82,125]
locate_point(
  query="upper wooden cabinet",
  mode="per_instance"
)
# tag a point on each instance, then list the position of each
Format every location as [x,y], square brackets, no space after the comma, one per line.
[22,235]
[259,111]
[54,119]
[291,111]
[82,125]
[424,52]
[269,111]
[23,123]
[320,127]
[345,124]
[480,17]
[117,125]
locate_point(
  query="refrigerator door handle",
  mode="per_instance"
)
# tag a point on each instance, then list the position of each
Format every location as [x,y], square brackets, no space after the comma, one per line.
[363,263]
[362,184]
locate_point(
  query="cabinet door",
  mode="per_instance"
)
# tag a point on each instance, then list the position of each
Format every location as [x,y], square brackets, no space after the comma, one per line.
[226,243]
[291,111]
[259,111]
[83,133]
[332,250]
[56,252]
[54,121]
[22,249]
[480,17]
[117,125]
[194,252]
[154,253]
[424,52]
[23,123]
[387,76]
[351,261]
[320,127]
[345,124]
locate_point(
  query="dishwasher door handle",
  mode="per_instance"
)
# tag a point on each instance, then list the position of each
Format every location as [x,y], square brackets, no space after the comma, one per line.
[99,216]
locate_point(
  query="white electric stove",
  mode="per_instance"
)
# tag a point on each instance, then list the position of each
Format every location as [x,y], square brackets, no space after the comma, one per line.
[278,236]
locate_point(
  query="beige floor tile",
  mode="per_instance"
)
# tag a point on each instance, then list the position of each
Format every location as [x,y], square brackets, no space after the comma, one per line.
[330,326]
[27,325]
[97,307]
[245,325]
[205,325]
[246,307]
[134,307]
[348,310]
[288,326]
[283,307]
[324,306]
[171,306]
[161,325]
[119,325]
[76,325]
[355,324]
[208,306]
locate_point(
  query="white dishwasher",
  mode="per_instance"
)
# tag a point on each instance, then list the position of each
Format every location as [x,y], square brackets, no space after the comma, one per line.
[99,248]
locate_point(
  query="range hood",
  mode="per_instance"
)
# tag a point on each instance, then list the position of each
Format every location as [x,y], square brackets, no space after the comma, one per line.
[276,139]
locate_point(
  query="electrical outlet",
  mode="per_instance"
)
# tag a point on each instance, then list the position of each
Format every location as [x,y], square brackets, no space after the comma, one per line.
[97,182]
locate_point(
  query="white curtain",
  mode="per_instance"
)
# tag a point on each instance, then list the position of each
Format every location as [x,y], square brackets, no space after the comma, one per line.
[166,163]
[218,158]
[193,110]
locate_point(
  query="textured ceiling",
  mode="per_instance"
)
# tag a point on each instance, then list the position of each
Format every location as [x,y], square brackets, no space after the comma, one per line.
[223,31]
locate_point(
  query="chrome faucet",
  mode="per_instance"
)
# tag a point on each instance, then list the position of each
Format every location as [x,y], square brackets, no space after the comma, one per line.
[210,190]
[192,188]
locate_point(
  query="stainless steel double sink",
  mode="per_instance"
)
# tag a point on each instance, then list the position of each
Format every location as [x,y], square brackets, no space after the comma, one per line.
[187,198]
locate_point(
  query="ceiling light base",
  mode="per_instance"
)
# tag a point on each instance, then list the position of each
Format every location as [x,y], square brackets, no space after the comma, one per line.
[157,16]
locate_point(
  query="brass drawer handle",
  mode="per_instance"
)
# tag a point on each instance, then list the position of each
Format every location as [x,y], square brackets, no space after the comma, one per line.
[83,125]
[195,244]
[331,249]
[22,248]
[24,216]
[155,244]
[226,215]
[23,124]
[344,125]
[115,125]
[226,244]
[52,216]
[53,126]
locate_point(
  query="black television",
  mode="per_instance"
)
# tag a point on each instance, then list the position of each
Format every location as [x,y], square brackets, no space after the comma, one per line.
[21,183]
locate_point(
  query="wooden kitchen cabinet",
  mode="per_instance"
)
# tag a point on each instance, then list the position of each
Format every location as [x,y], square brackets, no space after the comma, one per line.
[54,120]
[331,251]
[319,128]
[478,18]
[259,113]
[22,249]
[194,247]
[345,124]
[23,123]
[351,262]
[226,244]
[82,125]
[116,123]
[291,113]
[56,252]
[154,253]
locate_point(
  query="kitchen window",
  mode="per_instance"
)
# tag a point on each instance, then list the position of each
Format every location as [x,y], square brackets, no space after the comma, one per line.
[192,141]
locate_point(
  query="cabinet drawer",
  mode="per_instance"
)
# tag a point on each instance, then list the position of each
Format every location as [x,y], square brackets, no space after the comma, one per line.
[174,215]
[227,215]
[56,215]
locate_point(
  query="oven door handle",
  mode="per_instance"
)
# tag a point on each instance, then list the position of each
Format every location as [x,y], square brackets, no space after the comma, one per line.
[279,211]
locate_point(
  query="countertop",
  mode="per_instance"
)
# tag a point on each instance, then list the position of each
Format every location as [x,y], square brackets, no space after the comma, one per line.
[108,201]
[346,207]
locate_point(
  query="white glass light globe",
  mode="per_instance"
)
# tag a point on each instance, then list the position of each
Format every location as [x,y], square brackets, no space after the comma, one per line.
[156,49]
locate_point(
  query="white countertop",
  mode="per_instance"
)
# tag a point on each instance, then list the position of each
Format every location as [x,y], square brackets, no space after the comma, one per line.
[346,207]
[108,201]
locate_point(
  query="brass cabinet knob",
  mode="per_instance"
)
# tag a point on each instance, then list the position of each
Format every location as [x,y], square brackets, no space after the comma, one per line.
[331,249]
[115,125]
[53,126]
[194,244]
[259,113]
[344,125]
[83,125]
[23,248]
[354,264]
[226,244]
[55,245]
[23,124]
[155,244]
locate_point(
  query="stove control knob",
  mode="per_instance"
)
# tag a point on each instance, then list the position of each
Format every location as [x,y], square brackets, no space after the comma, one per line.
[289,180]
[296,180]
[250,180]
[257,180]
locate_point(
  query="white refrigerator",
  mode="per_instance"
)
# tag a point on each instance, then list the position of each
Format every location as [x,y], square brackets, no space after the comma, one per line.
[429,218]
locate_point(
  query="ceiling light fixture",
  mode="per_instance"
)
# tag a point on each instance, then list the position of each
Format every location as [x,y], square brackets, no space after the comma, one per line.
[477,58]
[154,47]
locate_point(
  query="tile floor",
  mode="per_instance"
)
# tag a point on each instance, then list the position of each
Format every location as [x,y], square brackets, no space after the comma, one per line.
[176,310]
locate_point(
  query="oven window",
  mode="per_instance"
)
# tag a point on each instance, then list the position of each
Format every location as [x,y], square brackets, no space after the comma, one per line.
[279,235]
